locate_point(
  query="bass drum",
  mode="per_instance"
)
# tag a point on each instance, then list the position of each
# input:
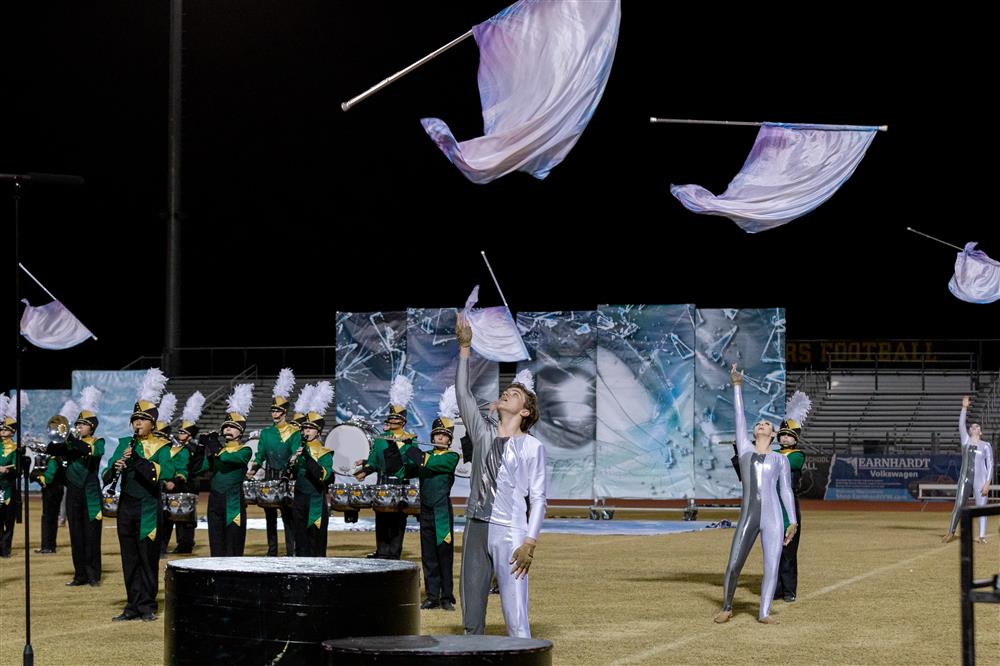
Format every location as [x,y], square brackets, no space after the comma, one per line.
[349,441]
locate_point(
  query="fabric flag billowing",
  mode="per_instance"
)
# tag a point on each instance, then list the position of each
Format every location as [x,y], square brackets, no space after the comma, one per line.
[52,326]
[977,277]
[543,67]
[494,333]
[791,170]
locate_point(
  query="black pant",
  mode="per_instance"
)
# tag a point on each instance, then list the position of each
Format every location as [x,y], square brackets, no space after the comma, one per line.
[163,534]
[310,541]
[271,518]
[52,496]
[389,530]
[84,536]
[437,558]
[185,537]
[140,559]
[8,515]
[788,570]
[225,539]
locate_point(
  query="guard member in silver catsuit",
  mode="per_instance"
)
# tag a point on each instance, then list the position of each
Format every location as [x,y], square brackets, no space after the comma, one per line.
[976,474]
[763,472]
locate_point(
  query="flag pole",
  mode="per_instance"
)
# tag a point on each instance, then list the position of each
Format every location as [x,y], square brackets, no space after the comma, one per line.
[743,123]
[28,273]
[920,233]
[345,106]
[21,465]
[492,275]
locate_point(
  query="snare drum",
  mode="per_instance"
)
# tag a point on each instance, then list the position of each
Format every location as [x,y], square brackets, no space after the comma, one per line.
[272,494]
[350,441]
[411,500]
[181,507]
[360,495]
[249,492]
[386,497]
[40,461]
[340,498]
[109,504]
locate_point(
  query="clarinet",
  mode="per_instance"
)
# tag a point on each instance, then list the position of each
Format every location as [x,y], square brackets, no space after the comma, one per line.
[118,472]
[289,471]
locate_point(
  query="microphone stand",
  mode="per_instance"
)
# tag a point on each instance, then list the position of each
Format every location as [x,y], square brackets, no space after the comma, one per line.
[19,180]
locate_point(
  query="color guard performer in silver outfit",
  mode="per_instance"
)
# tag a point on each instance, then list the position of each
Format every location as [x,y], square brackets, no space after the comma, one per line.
[506,504]
[764,473]
[976,474]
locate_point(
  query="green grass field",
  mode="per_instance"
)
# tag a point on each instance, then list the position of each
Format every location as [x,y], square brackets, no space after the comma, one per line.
[875,588]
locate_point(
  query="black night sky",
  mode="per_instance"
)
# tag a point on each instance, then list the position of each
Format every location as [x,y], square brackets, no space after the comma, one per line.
[295,209]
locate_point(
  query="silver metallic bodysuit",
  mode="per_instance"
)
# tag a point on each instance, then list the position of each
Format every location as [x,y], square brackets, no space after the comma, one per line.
[760,511]
[977,471]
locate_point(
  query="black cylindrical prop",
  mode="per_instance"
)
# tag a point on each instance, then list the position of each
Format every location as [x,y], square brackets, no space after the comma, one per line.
[251,610]
[438,651]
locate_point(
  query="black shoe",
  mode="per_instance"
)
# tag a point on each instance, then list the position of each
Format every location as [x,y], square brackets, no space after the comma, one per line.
[75,583]
[447,605]
[429,604]
[495,589]
[45,551]
[94,583]
[372,556]
[178,551]
[124,617]
[789,598]
[149,617]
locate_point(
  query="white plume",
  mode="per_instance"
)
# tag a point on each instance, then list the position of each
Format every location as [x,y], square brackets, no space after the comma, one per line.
[798,407]
[401,391]
[152,385]
[448,405]
[305,397]
[90,396]
[240,399]
[526,379]
[286,382]
[192,408]
[167,407]
[11,411]
[321,398]
[70,410]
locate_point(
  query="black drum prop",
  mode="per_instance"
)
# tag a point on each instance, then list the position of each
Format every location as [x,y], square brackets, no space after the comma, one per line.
[251,610]
[438,651]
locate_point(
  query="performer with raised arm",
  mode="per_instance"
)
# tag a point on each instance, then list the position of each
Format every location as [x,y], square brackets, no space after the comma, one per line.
[763,472]
[506,503]
[976,474]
